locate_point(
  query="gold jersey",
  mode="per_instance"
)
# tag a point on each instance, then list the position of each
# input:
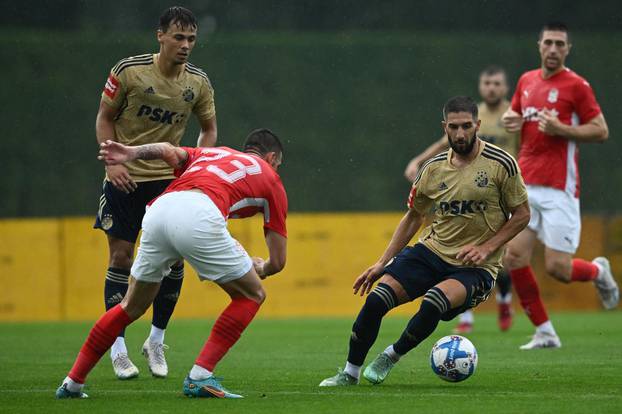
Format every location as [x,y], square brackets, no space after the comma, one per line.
[492,130]
[153,108]
[469,204]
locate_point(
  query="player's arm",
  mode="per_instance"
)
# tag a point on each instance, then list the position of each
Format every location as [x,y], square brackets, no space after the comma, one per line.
[209,132]
[277,250]
[477,255]
[413,166]
[405,231]
[114,153]
[104,131]
[595,130]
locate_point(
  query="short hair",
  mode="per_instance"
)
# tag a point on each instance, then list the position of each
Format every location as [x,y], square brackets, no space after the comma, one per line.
[177,15]
[460,104]
[555,27]
[263,141]
[493,70]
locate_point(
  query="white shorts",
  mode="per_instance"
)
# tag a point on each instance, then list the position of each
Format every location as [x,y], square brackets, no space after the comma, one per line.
[188,225]
[555,217]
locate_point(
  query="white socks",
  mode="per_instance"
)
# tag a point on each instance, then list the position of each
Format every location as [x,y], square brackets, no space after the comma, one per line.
[156,335]
[72,385]
[504,299]
[390,352]
[467,317]
[352,370]
[198,373]
[546,328]
[118,347]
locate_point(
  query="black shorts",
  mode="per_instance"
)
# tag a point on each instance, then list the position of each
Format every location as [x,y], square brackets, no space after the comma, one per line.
[418,269]
[120,215]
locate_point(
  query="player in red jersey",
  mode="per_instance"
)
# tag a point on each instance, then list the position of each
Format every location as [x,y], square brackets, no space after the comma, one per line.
[554,109]
[188,221]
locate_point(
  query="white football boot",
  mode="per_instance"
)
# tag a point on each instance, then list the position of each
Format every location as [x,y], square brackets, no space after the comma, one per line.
[542,340]
[124,368]
[606,285]
[154,353]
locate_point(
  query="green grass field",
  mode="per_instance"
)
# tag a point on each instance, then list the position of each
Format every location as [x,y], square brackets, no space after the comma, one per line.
[278,364]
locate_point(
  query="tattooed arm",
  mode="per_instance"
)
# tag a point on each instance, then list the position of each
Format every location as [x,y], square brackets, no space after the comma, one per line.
[113,153]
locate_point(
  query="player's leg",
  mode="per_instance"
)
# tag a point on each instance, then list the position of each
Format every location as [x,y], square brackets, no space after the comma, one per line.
[165,302]
[115,288]
[136,301]
[115,218]
[407,277]
[504,299]
[154,258]
[465,323]
[518,260]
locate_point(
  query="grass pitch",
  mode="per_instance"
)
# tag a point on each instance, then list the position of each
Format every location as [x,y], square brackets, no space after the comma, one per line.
[278,364]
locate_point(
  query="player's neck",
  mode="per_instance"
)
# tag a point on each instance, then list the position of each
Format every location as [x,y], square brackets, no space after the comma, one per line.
[546,74]
[462,160]
[167,67]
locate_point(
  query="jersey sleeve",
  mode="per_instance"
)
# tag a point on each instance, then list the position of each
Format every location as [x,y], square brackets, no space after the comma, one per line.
[417,200]
[513,190]
[275,217]
[192,154]
[585,102]
[205,108]
[115,89]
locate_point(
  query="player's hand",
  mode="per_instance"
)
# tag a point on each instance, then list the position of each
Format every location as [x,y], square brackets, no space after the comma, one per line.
[512,121]
[364,283]
[474,255]
[412,169]
[120,178]
[259,266]
[549,123]
[113,153]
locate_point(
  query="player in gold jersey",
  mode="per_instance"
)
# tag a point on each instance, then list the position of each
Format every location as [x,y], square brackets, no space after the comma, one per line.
[147,99]
[478,202]
[493,89]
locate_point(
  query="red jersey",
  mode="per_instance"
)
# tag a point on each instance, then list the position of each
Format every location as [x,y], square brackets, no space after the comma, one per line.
[240,184]
[547,160]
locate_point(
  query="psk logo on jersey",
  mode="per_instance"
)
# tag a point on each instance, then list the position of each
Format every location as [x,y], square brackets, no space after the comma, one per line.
[460,207]
[159,115]
[481,179]
[188,94]
[150,90]
[553,94]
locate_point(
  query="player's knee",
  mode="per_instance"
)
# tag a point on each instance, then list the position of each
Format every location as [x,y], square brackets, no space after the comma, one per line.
[121,259]
[514,259]
[258,295]
[134,309]
[558,269]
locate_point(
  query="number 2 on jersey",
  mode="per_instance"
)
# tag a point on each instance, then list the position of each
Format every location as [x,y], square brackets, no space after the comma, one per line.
[241,169]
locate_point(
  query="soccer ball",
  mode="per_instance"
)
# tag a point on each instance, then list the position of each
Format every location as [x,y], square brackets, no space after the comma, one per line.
[453,358]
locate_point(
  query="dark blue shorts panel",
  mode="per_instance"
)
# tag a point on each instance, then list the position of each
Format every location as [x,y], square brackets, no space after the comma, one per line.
[120,215]
[418,269]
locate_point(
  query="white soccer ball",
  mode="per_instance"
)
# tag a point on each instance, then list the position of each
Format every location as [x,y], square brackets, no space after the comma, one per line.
[453,358]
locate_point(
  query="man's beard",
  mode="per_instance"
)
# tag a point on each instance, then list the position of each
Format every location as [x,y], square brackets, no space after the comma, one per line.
[462,150]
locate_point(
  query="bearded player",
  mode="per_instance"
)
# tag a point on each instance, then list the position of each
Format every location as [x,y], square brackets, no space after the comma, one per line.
[479,201]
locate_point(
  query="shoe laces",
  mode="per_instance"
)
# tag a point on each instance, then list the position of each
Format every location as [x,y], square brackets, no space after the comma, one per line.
[123,361]
[158,353]
[383,362]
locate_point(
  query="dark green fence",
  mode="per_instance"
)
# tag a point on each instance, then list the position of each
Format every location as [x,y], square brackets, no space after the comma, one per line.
[352,107]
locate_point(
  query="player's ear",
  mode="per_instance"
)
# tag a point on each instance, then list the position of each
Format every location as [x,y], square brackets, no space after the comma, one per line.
[159,34]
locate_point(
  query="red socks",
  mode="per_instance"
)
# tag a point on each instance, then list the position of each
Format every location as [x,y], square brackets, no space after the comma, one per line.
[226,331]
[526,287]
[583,271]
[101,337]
